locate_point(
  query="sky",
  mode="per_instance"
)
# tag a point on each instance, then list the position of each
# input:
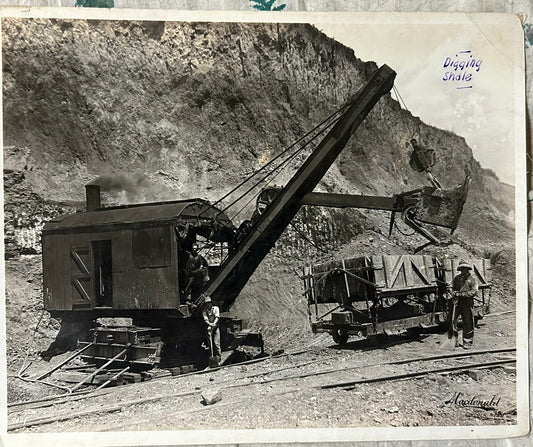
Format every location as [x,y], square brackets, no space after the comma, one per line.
[480,106]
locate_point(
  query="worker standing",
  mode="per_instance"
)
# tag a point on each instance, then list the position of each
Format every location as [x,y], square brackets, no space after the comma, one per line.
[465,288]
[196,270]
[211,315]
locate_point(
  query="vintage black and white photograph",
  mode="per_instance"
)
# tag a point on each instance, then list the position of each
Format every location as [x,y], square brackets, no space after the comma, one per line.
[284,226]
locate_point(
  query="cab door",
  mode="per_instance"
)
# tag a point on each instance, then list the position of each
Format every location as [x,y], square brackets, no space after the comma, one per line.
[82,277]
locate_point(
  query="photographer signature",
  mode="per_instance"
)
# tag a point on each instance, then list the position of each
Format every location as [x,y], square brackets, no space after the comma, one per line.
[460,400]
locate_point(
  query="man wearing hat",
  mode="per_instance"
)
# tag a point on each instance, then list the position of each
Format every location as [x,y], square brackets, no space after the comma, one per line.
[211,315]
[465,289]
[196,271]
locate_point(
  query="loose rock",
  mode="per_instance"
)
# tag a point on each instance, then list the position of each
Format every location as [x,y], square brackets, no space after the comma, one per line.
[210,397]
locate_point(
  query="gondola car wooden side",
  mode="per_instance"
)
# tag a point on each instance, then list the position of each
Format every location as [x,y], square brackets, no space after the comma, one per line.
[384,294]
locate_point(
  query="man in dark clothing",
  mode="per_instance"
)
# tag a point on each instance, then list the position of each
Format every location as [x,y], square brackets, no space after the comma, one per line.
[196,272]
[465,288]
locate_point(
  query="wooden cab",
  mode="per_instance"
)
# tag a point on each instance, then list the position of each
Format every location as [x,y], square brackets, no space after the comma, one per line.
[128,257]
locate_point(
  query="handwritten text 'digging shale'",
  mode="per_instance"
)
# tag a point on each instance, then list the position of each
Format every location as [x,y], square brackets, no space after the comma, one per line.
[461,69]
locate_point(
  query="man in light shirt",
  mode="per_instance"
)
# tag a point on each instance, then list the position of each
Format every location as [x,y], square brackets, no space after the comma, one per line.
[211,315]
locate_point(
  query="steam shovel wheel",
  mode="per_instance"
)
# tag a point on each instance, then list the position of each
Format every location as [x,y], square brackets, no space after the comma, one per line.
[339,337]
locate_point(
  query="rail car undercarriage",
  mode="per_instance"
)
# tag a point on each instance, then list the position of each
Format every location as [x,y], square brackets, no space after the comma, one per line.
[144,343]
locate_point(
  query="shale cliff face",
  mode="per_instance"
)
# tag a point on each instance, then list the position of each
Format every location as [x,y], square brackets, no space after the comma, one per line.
[160,110]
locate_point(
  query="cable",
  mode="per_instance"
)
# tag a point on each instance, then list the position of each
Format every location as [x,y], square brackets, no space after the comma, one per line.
[247,203]
[287,160]
[278,168]
[400,96]
[303,235]
[262,168]
[262,179]
[277,157]
[396,94]
[30,346]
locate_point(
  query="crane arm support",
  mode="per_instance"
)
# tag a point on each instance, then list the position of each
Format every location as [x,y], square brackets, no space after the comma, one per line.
[350,201]
[263,234]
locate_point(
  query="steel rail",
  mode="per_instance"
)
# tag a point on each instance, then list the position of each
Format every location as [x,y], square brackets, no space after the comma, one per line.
[394,362]
[385,378]
[351,384]
[231,403]
[92,375]
[295,390]
[232,365]
[17,407]
[69,397]
[64,362]
[99,410]
[497,314]
[66,398]
[116,376]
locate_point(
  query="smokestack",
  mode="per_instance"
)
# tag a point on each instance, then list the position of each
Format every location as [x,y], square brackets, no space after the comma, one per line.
[92,195]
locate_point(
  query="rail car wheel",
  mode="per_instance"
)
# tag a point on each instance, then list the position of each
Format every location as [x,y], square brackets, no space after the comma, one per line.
[339,337]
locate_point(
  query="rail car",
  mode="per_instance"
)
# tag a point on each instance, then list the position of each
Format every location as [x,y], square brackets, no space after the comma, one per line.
[386,294]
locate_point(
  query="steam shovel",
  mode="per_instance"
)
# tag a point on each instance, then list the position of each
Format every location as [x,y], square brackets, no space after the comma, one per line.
[449,340]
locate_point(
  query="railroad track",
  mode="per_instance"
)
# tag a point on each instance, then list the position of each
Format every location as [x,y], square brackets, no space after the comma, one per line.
[233,389]
[22,415]
[88,393]
[91,392]
[69,396]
